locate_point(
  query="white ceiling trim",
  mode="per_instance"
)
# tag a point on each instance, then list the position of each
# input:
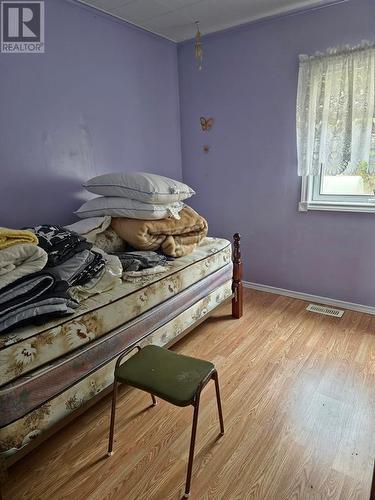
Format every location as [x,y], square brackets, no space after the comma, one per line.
[298,8]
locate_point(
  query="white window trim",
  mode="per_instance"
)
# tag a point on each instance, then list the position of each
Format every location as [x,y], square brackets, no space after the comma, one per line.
[307,202]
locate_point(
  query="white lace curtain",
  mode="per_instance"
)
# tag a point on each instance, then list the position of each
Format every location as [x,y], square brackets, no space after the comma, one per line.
[336,111]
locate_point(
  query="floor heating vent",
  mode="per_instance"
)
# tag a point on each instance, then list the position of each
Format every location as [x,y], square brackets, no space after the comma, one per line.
[328,311]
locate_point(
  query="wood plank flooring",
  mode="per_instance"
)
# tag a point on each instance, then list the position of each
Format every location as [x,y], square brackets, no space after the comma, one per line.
[298,393]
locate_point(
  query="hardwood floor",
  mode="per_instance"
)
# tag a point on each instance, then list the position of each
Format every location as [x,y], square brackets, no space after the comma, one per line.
[298,393]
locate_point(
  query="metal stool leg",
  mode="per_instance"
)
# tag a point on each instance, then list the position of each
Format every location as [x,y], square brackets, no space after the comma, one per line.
[218,399]
[113,414]
[114,398]
[192,446]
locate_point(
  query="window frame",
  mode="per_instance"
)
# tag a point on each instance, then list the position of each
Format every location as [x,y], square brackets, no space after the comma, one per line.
[313,199]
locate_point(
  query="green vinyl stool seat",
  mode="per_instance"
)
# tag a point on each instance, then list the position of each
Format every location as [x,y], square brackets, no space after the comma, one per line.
[170,376]
[166,374]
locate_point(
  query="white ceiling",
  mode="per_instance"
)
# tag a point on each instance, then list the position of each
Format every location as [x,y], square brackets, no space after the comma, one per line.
[174,19]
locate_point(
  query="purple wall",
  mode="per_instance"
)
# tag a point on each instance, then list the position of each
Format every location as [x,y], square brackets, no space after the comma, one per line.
[248,181]
[104,97]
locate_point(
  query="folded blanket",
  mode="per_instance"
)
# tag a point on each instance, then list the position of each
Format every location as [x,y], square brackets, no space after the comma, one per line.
[175,237]
[20,260]
[9,237]
[36,313]
[134,261]
[32,288]
[59,243]
[91,227]
[80,268]
[33,296]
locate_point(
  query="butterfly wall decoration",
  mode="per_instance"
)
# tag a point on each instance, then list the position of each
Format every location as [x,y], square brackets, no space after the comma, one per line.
[206,123]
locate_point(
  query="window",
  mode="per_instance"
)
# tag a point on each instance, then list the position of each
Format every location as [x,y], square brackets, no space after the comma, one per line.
[336,130]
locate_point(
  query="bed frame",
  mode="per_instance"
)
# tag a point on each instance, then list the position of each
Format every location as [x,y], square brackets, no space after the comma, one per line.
[237,310]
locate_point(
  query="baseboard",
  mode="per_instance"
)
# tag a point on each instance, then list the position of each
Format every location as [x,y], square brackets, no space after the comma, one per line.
[310,298]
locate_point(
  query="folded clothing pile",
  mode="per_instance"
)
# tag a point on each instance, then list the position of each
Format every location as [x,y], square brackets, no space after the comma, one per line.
[147,212]
[27,291]
[70,257]
[34,298]
[46,270]
[109,277]
[59,243]
[91,270]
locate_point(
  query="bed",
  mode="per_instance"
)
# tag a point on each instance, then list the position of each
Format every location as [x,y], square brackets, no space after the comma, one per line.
[50,374]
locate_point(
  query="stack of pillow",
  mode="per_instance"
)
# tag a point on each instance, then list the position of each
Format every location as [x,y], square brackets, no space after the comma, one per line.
[146,211]
[135,195]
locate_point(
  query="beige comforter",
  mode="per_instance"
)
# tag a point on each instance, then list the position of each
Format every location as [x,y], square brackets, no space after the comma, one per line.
[174,237]
[20,260]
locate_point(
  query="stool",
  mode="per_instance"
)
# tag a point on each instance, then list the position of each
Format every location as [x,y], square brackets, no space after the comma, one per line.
[173,377]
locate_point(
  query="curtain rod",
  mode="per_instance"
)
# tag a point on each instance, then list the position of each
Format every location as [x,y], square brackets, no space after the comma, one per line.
[338,51]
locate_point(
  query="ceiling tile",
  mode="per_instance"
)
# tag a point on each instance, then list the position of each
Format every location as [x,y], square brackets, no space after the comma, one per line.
[174,19]
[140,10]
[173,25]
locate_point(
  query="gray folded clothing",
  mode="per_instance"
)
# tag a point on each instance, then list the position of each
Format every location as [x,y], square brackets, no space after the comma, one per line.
[33,298]
[37,311]
[31,289]
[71,268]
[80,268]
[135,261]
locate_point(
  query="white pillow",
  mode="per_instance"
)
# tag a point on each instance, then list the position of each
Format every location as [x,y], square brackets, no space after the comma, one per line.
[141,186]
[124,207]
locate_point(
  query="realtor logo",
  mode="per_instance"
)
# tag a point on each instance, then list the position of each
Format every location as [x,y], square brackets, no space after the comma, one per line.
[22,27]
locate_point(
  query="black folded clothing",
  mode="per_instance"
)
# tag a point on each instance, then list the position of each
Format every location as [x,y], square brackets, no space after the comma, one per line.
[80,268]
[92,269]
[32,288]
[32,297]
[59,243]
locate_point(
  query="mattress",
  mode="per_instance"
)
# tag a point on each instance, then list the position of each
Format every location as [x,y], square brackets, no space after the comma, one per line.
[38,363]
[19,433]
[25,350]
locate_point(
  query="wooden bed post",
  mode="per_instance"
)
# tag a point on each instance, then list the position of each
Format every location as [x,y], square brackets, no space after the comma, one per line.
[237,304]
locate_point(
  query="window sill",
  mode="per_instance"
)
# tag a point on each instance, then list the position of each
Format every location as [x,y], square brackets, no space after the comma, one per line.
[305,206]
